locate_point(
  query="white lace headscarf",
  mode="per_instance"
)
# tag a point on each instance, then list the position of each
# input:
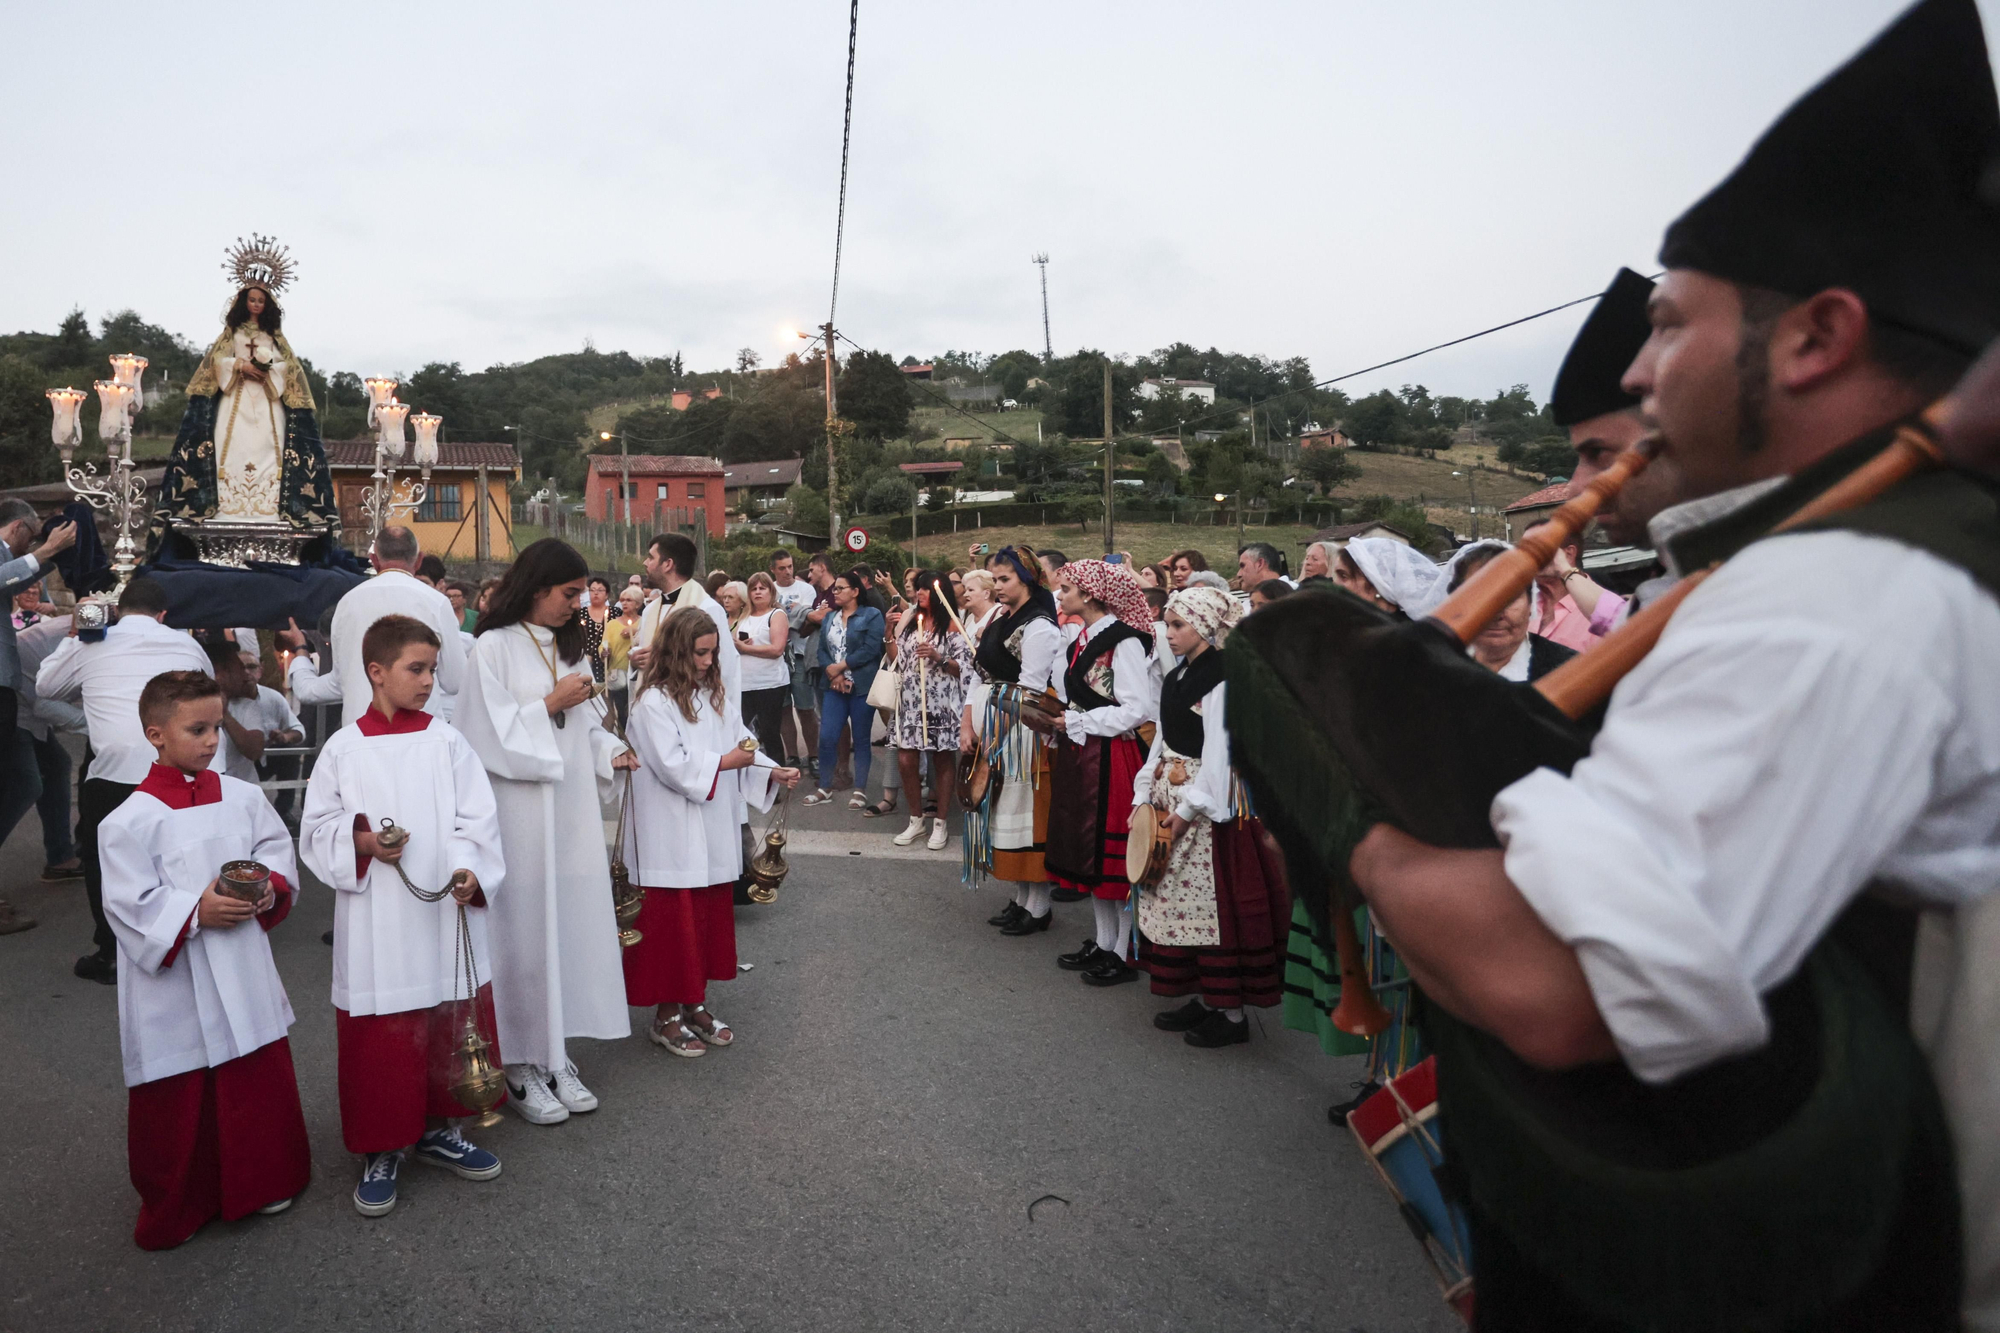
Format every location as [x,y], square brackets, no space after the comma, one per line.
[1401,573]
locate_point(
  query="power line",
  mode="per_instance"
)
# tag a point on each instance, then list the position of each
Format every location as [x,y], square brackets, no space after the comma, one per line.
[846,131]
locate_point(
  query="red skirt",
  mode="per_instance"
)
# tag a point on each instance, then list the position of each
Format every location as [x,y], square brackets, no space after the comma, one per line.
[1252,905]
[219,1142]
[687,939]
[1091,812]
[396,1071]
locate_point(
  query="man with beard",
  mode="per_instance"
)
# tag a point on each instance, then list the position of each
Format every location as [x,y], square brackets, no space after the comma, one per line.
[1679,1069]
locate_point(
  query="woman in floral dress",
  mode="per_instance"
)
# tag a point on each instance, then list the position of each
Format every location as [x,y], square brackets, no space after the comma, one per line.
[935,660]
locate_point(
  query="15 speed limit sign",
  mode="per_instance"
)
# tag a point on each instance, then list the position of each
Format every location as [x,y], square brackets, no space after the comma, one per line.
[855,539]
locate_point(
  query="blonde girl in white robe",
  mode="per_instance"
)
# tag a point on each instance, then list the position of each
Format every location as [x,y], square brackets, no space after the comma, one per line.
[698,764]
[528,710]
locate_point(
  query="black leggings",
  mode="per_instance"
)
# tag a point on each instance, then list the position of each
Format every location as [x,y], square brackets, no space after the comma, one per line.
[764,712]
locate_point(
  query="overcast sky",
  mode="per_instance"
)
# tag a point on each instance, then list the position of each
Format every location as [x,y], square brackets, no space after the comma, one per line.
[494,182]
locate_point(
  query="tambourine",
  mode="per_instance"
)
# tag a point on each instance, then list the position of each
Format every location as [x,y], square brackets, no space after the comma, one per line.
[1148,845]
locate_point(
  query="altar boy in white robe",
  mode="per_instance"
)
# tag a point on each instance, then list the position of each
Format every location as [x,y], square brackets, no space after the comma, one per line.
[698,764]
[214,1124]
[528,710]
[400,977]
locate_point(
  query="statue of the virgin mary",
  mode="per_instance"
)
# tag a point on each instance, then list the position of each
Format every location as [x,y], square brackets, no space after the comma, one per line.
[249,451]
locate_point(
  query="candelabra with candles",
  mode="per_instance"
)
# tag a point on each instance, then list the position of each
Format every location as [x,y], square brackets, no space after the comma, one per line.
[117,491]
[381,504]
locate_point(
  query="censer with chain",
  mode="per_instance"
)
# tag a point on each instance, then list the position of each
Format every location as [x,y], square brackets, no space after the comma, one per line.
[627,899]
[476,1081]
[767,867]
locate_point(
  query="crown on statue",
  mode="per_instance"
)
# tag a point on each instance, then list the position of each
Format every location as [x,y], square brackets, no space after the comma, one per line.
[259,262]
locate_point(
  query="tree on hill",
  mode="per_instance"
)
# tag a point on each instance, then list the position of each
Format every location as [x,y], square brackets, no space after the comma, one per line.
[1074,403]
[874,395]
[1013,370]
[1328,469]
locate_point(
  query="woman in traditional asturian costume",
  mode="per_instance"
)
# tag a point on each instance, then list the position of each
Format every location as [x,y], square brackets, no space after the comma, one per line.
[698,765]
[249,447]
[1108,690]
[1210,927]
[529,711]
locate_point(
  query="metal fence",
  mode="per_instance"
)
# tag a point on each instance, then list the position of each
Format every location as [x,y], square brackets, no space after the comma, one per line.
[613,541]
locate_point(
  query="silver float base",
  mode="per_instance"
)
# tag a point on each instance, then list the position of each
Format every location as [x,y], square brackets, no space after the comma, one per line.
[236,543]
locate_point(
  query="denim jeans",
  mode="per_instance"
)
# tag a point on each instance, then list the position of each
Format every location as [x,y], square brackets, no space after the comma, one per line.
[58,841]
[20,779]
[840,710]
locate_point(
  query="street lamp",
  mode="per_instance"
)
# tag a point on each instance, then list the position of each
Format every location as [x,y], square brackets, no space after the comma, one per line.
[1472,501]
[624,472]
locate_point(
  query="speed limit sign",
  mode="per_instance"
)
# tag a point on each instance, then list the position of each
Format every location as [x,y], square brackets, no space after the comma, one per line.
[855,539]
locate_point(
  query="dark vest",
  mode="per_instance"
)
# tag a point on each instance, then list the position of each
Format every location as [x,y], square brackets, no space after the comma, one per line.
[995,660]
[1185,686]
[1075,680]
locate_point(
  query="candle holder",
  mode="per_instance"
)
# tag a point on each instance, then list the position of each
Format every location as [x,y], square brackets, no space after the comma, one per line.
[380,504]
[116,491]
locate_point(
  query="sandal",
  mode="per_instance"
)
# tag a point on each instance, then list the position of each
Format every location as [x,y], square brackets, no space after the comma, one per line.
[885,806]
[715,1032]
[820,797]
[677,1037]
[858,800]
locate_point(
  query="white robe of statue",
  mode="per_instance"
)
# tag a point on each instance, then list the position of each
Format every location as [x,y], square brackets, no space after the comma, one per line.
[556,967]
[249,428]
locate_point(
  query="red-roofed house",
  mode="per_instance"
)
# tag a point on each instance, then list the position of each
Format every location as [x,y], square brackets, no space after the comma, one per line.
[660,482]
[1534,507]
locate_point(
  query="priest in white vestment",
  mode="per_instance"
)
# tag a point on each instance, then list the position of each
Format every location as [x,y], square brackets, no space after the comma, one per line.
[528,710]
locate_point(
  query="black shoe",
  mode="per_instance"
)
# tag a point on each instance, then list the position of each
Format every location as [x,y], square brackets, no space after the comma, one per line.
[1007,915]
[1063,895]
[1338,1112]
[1029,925]
[1082,960]
[96,967]
[1189,1015]
[1110,970]
[1218,1030]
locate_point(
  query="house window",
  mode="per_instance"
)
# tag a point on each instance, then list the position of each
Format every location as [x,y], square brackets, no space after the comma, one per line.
[441,504]
[662,492]
[697,490]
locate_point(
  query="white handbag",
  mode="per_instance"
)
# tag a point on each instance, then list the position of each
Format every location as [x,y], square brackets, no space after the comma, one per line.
[886,692]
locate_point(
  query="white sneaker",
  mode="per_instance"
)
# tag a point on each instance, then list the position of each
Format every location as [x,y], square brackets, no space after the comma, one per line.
[912,833]
[528,1092]
[570,1091]
[940,834]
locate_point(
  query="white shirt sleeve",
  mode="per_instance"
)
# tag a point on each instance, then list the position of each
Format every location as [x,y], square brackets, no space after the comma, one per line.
[1041,651]
[1819,714]
[309,686]
[1208,794]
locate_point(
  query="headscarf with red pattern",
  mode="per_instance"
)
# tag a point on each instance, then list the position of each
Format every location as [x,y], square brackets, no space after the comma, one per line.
[1115,588]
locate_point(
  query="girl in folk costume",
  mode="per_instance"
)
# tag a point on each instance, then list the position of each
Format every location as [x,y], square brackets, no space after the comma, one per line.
[214,1125]
[1210,926]
[698,764]
[1020,650]
[399,964]
[935,662]
[528,711]
[1108,688]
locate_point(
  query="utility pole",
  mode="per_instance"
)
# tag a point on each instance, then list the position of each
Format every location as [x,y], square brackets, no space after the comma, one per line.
[1110,462]
[1041,261]
[832,454]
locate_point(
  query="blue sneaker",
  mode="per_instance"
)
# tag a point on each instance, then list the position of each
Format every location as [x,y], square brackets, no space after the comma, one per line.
[451,1150]
[376,1194]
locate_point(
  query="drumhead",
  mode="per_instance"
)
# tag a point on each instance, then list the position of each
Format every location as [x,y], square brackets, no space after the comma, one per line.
[1139,842]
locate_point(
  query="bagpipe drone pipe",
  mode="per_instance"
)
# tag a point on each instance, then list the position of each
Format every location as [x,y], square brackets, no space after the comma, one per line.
[1772,1183]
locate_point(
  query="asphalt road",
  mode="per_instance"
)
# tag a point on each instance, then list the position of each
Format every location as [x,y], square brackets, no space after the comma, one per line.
[905,1084]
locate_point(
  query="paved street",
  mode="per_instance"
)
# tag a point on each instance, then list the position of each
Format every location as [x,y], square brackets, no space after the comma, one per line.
[905,1085]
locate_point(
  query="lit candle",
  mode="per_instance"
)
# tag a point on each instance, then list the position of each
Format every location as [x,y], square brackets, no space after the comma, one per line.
[380,390]
[129,370]
[112,399]
[426,425]
[389,419]
[67,428]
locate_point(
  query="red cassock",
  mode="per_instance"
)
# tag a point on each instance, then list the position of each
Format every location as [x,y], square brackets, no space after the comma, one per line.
[396,1070]
[688,939]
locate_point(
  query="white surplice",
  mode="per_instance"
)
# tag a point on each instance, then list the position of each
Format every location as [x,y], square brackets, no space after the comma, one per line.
[685,809]
[394,592]
[393,952]
[556,965]
[221,997]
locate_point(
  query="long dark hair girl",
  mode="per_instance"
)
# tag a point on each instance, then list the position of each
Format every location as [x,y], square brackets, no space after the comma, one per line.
[671,668]
[942,617]
[271,320]
[546,564]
